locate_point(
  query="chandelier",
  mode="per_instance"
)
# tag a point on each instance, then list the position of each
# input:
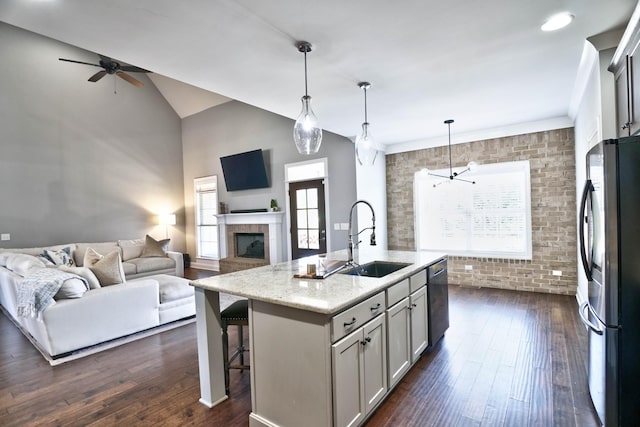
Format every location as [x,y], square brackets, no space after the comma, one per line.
[454,175]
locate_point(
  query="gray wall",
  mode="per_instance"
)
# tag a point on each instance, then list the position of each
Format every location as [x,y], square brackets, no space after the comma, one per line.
[78,162]
[236,127]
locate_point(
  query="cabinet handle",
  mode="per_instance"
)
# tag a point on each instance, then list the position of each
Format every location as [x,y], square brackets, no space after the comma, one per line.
[412,306]
[626,126]
[366,340]
[376,307]
[353,322]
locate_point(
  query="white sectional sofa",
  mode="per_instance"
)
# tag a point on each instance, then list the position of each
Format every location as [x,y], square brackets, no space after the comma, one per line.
[153,294]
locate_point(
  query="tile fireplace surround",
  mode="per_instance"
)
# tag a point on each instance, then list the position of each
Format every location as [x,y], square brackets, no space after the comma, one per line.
[269,223]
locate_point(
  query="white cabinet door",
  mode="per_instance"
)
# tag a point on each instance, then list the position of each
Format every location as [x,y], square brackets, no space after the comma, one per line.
[375,362]
[419,322]
[348,384]
[398,341]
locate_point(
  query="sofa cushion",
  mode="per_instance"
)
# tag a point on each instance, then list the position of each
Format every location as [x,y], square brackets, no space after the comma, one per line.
[131,248]
[173,288]
[38,251]
[144,265]
[85,273]
[72,288]
[59,257]
[101,248]
[107,268]
[155,248]
[129,268]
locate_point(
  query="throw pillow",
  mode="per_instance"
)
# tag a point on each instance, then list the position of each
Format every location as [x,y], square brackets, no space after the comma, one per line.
[4,256]
[72,288]
[153,247]
[59,257]
[22,263]
[107,268]
[85,273]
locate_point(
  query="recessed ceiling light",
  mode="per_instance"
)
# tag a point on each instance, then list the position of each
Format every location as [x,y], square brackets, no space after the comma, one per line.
[557,21]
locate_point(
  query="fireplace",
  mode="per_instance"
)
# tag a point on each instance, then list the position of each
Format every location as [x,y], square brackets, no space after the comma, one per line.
[250,245]
[243,236]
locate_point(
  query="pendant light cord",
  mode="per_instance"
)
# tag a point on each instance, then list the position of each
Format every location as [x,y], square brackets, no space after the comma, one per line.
[450,166]
[365,105]
[306,94]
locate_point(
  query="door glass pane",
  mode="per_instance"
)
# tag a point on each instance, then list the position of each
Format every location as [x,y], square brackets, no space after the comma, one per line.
[312,196]
[301,197]
[302,218]
[314,239]
[303,239]
[313,218]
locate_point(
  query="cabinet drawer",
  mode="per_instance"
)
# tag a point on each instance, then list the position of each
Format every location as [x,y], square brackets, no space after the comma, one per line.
[356,316]
[417,280]
[397,292]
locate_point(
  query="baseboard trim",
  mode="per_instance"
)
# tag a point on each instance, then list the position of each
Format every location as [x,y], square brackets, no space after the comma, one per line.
[211,265]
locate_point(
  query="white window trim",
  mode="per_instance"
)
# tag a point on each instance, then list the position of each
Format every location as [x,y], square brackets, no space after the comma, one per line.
[420,179]
[197,183]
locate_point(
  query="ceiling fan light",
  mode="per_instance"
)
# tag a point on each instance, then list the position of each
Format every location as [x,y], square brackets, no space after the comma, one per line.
[307,133]
[557,21]
[366,152]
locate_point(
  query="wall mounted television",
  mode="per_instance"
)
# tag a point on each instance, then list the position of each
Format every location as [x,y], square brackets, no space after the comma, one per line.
[244,171]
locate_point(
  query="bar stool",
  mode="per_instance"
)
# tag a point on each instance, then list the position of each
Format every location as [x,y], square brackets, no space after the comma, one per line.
[236,314]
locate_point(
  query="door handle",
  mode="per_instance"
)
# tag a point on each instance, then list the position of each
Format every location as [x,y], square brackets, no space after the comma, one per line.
[586,321]
[588,188]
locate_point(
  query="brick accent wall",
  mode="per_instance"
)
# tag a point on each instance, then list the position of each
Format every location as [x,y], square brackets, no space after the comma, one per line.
[553,209]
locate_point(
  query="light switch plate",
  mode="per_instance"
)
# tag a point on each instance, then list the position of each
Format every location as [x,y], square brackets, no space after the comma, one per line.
[344,226]
[336,226]
[5,236]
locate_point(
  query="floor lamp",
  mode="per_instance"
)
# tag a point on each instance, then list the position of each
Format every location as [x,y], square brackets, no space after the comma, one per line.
[167,220]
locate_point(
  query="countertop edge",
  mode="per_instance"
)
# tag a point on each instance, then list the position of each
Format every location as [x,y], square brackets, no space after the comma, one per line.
[380,285]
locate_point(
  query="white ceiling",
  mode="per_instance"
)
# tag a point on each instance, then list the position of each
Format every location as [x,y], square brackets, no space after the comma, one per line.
[485,64]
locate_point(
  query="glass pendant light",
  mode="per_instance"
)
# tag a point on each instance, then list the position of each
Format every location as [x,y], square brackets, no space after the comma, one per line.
[307,133]
[366,152]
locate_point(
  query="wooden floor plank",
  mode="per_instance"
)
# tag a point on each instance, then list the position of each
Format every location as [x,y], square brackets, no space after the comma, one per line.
[509,359]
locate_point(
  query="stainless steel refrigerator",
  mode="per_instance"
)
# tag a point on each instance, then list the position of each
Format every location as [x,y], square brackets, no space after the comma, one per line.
[610,252]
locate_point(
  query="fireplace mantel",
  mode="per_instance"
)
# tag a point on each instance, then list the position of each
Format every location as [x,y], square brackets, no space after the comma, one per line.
[272,219]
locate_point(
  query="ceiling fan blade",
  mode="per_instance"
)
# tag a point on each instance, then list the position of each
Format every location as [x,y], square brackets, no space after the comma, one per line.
[127,77]
[133,69]
[97,76]
[79,62]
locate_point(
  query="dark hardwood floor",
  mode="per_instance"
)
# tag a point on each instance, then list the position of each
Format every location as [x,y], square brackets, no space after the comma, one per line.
[509,359]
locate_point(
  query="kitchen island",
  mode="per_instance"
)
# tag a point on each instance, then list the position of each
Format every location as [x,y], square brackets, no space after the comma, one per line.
[323,352]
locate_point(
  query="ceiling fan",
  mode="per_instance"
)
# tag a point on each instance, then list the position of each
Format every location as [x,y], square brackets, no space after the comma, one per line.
[110,66]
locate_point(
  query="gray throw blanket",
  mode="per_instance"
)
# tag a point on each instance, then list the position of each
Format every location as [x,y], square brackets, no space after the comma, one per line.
[37,289]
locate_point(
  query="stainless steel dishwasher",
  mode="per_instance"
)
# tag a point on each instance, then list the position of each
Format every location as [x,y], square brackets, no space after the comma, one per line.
[437,300]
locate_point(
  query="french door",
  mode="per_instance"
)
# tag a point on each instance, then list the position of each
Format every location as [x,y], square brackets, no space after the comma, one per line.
[307,218]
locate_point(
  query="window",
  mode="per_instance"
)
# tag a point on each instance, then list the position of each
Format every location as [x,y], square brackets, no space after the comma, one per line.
[491,218]
[206,208]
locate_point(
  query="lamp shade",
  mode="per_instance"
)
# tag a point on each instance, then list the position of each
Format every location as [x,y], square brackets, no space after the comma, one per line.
[167,219]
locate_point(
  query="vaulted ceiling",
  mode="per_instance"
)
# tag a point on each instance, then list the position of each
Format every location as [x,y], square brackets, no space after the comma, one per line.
[484,63]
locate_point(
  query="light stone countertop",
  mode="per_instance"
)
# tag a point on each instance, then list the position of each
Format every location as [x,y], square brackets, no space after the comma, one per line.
[275,283]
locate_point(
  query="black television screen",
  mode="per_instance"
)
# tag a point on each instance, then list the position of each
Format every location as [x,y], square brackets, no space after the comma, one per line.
[244,171]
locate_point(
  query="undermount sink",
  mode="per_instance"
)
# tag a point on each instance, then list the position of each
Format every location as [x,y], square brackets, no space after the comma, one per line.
[375,269]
